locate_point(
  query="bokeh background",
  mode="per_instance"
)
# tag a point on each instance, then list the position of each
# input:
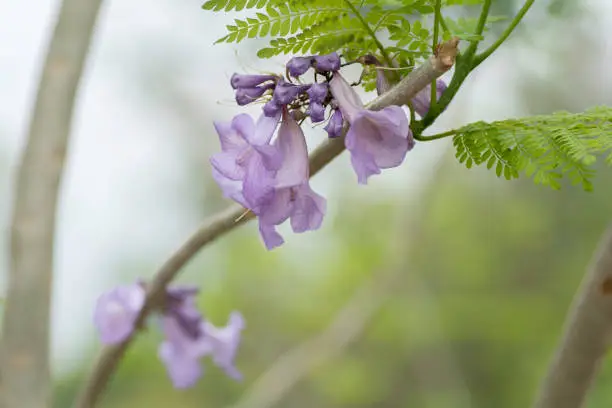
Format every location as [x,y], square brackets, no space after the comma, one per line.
[434,286]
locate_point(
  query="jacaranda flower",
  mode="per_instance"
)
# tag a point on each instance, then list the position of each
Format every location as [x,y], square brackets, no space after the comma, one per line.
[188,337]
[292,198]
[116,312]
[422,101]
[246,157]
[375,140]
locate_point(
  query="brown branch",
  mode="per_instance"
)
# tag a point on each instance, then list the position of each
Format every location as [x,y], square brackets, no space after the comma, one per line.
[586,337]
[405,90]
[25,372]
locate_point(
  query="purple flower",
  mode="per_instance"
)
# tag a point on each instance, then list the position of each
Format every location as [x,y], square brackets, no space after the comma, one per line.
[318,92]
[246,157]
[335,124]
[299,65]
[327,63]
[181,354]
[222,343]
[376,140]
[316,111]
[292,198]
[116,312]
[422,100]
[249,81]
[285,92]
[188,337]
[244,96]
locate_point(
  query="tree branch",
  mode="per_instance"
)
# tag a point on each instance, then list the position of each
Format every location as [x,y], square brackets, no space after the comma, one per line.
[25,340]
[586,336]
[224,222]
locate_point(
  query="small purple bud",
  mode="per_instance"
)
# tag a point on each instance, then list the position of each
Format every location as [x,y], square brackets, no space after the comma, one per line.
[334,126]
[299,65]
[316,112]
[249,81]
[317,92]
[271,108]
[244,96]
[327,63]
[422,101]
[285,92]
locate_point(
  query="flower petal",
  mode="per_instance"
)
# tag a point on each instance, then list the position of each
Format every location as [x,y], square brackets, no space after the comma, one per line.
[346,97]
[292,144]
[308,210]
[116,312]
[183,369]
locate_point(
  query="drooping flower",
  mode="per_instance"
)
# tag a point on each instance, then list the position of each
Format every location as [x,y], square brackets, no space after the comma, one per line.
[335,124]
[222,343]
[327,63]
[293,198]
[422,101]
[116,312]
[376,140]
[188,337]
[246,157]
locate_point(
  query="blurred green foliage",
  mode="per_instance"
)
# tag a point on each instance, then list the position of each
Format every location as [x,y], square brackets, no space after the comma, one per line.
[486,270]
[493,265]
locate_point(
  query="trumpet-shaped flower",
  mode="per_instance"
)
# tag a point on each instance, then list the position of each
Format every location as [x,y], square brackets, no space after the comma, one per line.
[293,198]
[246,157]
[376,140]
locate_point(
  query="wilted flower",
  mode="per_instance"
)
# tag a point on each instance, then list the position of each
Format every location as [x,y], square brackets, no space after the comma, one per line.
[422,101]
[376,140]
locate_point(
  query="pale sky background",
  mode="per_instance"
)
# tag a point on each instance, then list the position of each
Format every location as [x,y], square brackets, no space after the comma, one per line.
[121,197]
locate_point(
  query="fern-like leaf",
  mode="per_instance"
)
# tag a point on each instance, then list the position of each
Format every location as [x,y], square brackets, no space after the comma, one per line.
[546,147]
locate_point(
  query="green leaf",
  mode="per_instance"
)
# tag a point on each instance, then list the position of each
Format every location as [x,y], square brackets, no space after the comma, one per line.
[547,147]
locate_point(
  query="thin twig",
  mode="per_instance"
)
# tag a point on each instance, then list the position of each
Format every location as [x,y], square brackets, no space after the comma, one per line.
[586,337]
[224,222]
[25,340]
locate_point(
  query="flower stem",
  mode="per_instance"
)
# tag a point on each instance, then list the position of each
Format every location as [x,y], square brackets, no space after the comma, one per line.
[482,20]
[437,136]
[517,19]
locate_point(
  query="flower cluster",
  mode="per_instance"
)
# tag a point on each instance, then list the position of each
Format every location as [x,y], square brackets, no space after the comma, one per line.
[188,336]
[269,175]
